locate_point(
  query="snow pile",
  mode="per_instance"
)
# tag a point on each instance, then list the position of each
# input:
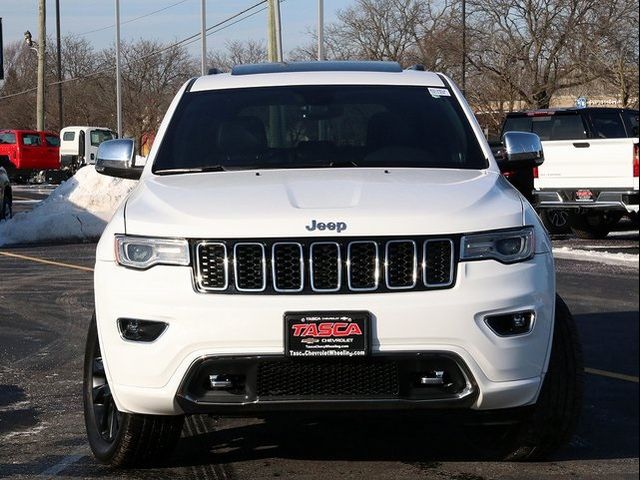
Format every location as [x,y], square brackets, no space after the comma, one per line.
[609,258]
[78,210]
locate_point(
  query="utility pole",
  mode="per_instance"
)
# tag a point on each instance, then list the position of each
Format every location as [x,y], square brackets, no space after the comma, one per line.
[203,34]
[320,30]
[42,32]
[464,47]
[278,29]
[274,43]
[118,79]
[1,53]
[59,49]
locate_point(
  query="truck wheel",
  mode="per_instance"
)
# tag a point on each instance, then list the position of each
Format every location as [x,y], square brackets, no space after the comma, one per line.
[6,209]
[555,221]
[550,423]
[121,439]
[8,166]
[593,226]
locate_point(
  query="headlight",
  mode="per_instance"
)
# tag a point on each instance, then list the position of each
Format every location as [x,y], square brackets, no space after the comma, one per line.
[139,252]
[506,246]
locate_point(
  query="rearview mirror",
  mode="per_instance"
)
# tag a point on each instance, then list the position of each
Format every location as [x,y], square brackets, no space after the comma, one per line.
[116,158]
[520,150]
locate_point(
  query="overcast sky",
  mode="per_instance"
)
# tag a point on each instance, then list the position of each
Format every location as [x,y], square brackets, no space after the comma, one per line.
[81,17]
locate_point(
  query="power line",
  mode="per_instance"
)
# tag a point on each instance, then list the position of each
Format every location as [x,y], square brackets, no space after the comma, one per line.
[188,39]
[237,15]
[233,23]
[134,19]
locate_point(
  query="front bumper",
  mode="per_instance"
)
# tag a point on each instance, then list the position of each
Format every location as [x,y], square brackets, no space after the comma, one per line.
[623,200]
[273,383]
[147,378]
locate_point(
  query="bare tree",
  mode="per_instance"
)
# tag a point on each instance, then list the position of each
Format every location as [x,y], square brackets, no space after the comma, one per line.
[238,52]
[400,30]
[406,31]
[152,73]
[532,45]
[20,68]
[611,49]
[520,54]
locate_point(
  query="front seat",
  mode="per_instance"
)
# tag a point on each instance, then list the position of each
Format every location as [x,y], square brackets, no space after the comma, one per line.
[241,141]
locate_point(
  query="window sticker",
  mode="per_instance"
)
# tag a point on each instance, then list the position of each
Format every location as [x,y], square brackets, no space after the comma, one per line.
[439,92]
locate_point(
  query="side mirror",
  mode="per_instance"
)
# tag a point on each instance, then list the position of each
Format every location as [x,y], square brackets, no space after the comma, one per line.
[116,158]
[521,150]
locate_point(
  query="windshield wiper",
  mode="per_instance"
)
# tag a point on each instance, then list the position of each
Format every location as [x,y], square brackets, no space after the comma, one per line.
[210,168]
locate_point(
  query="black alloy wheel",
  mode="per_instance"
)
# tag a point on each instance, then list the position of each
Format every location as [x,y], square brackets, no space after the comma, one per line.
[106,416]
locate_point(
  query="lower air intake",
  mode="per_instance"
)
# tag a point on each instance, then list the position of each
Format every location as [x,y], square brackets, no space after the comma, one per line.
[332,378]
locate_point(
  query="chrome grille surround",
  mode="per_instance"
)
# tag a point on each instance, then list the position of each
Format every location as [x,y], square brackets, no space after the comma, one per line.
[388,266]
[275,270]
[325,265]
[312,270]
[425,266]
[236,267]
[351,267]
[203,268]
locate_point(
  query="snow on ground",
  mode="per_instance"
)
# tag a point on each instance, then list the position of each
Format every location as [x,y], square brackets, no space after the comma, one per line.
[625,259]
[78,210]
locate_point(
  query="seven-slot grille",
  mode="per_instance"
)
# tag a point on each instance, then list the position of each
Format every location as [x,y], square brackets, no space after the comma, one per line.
[324,266]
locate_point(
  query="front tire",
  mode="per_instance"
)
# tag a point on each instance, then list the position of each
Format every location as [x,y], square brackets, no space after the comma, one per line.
[121,439]
[6,208]
[549,424]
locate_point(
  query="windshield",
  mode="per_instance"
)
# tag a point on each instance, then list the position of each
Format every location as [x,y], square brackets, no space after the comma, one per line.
[319,127]
[99,136]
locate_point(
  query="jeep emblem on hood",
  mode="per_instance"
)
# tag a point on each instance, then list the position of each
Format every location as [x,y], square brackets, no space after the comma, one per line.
[333,226]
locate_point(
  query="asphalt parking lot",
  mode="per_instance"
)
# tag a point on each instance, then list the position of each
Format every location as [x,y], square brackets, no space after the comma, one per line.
[46,300]
[25,197]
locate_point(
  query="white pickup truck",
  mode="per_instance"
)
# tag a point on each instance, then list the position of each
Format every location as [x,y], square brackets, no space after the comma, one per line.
[589,179]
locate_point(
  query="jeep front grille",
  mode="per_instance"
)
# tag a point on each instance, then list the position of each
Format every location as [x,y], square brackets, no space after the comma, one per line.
[353,265]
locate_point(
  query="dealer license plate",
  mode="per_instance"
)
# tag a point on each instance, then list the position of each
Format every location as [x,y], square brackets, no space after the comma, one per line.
[327,334]
[584,195]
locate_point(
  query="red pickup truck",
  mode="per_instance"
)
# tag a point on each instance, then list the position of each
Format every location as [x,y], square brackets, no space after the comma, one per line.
[26,152]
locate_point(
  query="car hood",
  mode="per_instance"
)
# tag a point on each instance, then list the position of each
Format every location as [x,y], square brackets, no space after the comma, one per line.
[282,203]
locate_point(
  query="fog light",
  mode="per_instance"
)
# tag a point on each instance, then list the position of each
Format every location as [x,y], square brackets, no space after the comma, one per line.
[435,378]
[511,324]
[140,330]
[228,382]
[220,382]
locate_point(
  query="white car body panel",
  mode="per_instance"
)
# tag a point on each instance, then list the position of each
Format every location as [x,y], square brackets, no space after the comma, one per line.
[226,81]
[144,378]
[282,202]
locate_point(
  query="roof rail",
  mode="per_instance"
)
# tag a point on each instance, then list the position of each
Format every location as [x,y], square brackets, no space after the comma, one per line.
[418,67]
[214,71]
[325,66]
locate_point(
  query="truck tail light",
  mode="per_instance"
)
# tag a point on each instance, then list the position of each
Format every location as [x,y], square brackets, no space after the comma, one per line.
[636,166]
[535,172]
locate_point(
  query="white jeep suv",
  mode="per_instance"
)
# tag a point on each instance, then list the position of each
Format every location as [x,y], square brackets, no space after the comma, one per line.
[329,237]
